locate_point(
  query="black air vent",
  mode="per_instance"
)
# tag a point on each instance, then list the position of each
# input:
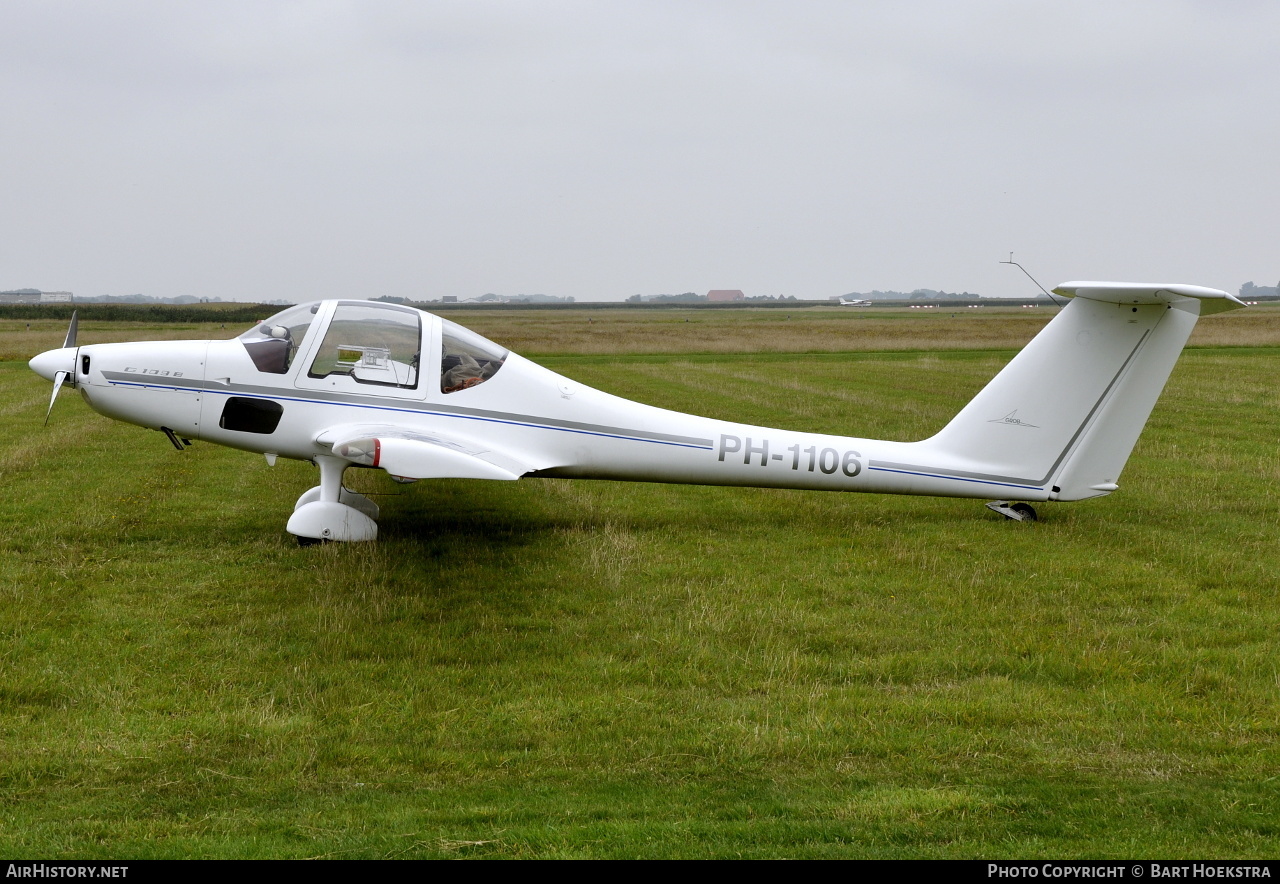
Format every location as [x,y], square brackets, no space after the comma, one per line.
[246,415]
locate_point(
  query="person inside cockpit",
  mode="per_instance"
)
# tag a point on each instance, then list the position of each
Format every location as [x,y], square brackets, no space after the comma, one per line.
[466,358]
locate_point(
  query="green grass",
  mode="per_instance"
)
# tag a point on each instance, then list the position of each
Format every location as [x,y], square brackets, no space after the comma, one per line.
[574,669]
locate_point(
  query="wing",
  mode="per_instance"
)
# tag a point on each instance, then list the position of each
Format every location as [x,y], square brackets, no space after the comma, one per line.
[410,455]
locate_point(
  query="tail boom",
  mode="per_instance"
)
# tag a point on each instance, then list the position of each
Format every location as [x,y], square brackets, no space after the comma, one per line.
[1057,423]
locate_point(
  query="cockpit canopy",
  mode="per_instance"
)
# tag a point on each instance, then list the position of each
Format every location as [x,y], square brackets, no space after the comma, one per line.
[373,343]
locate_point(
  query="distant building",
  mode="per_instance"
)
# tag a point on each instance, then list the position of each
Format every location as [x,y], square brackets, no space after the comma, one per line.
[34,296]
[726,295]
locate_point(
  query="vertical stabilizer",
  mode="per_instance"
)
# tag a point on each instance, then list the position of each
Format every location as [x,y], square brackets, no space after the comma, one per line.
[1065,413]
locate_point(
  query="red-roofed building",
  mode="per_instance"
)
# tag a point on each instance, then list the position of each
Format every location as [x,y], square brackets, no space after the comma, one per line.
[726,295]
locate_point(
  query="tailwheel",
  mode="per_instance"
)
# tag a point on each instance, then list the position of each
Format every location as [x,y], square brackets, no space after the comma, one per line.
[1018,512]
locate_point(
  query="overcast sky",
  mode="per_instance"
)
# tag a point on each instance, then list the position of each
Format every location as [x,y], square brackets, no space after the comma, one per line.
[302,150]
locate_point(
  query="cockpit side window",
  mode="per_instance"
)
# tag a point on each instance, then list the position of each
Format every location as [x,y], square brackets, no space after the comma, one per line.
[274,342]
[372,344]
[466,358]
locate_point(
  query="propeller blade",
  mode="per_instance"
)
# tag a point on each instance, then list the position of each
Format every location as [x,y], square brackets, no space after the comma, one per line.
[71,331]
[57,385]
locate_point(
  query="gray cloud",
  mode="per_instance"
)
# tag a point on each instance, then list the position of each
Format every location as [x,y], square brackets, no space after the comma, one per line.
[306,150]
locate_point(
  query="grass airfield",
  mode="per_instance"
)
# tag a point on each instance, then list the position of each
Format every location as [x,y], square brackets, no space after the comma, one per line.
[553,668]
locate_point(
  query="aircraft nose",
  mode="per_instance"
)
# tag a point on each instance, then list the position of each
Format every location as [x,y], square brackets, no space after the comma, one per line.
[50,362]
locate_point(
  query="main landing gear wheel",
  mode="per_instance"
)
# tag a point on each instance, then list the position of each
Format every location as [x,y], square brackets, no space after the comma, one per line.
[1018,512]
[330,512]
[1026,510]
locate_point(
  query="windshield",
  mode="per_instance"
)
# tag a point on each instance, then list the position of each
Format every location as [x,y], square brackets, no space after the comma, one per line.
[274,342]
[371,344]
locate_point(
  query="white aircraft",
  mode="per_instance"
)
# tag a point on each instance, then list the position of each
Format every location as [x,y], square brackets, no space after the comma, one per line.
[855,302]
[365,384]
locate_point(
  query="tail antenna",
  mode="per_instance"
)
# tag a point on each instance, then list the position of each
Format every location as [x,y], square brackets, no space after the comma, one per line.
[1033,279]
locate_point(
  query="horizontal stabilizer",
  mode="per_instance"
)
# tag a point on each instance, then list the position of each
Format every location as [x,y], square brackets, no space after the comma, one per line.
[1138,293]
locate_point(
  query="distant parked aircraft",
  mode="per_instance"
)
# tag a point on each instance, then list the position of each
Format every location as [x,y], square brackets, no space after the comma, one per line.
[378,385]
[855,302]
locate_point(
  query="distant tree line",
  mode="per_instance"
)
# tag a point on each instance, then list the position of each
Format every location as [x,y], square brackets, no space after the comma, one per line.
[132,299]
[241,313]
[1249,290]
[144,299]
[916,295]
[683,298]
[487,298]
